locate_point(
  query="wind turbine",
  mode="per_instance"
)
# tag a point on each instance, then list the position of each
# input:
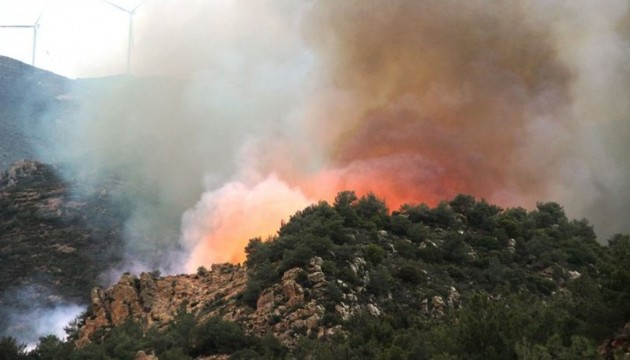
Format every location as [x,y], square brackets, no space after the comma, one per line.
[35,28]
[131,13]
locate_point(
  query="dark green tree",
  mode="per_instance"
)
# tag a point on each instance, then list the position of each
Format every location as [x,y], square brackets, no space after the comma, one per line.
[51,348]
[217,336]
[11,349]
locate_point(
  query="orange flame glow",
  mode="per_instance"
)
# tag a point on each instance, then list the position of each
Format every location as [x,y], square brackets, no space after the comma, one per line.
[420,101]
[222,223]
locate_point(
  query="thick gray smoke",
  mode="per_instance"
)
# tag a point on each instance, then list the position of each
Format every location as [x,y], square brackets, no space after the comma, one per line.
[229,75]
[516,102]
[594,41]
[31,318]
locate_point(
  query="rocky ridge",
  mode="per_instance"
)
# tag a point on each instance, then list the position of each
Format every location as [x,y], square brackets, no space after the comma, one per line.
[289,309]
[155,301]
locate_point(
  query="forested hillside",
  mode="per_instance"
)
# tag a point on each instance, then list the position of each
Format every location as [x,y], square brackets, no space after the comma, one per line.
[462,280]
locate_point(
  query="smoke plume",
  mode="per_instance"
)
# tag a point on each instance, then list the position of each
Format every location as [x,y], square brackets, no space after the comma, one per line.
[32,318]
[222,222]
[270,105]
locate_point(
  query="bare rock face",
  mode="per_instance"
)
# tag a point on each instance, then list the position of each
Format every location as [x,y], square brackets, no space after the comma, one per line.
[283,310]
[141,355]
[437,305]
[315,274]
[20,169]
[156,300]
[126,300]
[453,299]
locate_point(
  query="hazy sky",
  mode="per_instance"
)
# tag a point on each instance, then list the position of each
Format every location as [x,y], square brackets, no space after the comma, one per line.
[76,38]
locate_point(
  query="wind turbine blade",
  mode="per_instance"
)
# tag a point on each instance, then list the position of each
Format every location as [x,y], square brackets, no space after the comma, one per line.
[129,42]
[16,26]
[137,6]
[34,45]
[117,6]
[130,35]
[35,28]
[39,17]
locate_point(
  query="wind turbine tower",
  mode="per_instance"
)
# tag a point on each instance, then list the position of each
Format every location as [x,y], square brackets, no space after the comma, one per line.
[35,27]
[131,12]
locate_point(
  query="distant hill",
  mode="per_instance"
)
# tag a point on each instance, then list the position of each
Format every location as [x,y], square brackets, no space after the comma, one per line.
[26,94]
[350,280]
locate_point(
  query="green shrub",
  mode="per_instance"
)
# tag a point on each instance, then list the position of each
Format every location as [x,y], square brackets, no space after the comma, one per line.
[374,253]
[297,257]
[10,349]
[176,353]
[252,291]
[217,336]
[51,348]
[372,211]
[380,281]
[411,274]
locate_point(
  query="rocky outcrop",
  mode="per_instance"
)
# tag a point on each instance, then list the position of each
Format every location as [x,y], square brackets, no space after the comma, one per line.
[141,355]
[436,306]
[21,169]
[286,309]
[154,301]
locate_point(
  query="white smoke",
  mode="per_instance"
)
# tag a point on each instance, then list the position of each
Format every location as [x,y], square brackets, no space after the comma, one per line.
[594,41]
[218,228]
[223,92]
[31,318]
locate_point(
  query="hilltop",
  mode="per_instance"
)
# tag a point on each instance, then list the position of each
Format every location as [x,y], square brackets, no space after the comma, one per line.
[28,96]
[464,279]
